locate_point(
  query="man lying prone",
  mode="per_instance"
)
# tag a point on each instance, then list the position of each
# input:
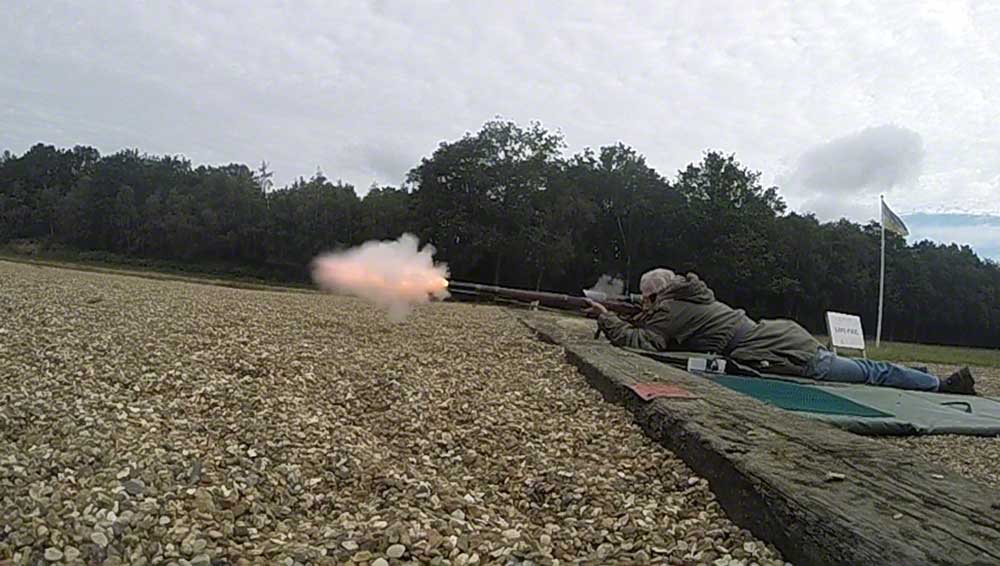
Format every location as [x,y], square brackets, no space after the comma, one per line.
[680,313]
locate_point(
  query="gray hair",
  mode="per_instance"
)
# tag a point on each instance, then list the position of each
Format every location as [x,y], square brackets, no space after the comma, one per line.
[659,280]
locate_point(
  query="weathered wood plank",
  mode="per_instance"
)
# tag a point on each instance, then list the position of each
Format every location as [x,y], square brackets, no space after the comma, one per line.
[769,468]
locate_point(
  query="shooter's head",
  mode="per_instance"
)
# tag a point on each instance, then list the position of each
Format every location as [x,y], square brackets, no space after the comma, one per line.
[656,282]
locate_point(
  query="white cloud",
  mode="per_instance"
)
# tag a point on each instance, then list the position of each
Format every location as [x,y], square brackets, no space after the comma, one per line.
[844,176]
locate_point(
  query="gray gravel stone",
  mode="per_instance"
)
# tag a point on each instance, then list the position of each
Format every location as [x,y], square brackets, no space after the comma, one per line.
[99,538]
[284,425]
[134,486]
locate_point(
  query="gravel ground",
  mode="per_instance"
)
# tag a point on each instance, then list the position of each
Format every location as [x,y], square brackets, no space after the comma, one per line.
[148,422]
[975,457]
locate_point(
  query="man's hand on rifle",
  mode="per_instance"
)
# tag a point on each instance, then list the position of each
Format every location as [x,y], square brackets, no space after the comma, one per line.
[594,309]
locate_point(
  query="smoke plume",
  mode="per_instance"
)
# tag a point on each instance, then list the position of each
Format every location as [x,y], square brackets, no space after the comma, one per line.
[396,275]
[606,286]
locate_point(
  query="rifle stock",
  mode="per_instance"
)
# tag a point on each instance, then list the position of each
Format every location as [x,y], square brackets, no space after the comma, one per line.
[620,305]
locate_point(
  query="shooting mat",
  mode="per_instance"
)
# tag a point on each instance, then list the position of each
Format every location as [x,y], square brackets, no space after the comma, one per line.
[861,409]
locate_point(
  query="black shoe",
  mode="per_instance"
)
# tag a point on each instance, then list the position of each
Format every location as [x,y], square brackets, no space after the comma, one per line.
[959,383]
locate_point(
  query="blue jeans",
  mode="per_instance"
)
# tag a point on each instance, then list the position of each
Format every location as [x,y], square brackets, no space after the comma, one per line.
[827,366]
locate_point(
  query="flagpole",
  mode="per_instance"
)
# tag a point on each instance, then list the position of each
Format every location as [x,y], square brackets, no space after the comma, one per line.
[881,283]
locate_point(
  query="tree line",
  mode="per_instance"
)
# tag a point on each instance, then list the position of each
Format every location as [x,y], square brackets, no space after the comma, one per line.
[506,205]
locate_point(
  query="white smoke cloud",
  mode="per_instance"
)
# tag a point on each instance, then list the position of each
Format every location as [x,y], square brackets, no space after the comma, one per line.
[610,285]
[395,275]
[606,286]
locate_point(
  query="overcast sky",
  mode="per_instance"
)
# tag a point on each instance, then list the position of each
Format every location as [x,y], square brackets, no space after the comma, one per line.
[836,102]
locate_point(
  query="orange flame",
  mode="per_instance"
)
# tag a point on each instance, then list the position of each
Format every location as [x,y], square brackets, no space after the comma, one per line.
[348,274]
[393,274]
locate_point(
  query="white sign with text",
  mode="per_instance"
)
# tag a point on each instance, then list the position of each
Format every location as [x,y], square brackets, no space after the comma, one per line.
[845,330]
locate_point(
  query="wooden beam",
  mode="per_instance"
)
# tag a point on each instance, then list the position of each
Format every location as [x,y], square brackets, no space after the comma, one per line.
[819,494]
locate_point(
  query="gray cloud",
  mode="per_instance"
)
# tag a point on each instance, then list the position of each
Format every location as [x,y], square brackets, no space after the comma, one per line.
[874,159]
[386,160]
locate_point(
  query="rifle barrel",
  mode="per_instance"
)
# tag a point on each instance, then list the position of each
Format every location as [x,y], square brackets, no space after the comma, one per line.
[557,300]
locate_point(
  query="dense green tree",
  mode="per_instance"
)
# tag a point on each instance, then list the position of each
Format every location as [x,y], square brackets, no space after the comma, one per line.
[474,196]
[311,217]
[731,224]
[629,203]
[385,213]
[505,205]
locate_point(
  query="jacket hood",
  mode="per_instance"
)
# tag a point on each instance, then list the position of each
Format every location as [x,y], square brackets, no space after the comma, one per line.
[691,290]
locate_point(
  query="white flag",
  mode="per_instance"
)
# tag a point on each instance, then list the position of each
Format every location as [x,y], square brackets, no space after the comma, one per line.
[892,222]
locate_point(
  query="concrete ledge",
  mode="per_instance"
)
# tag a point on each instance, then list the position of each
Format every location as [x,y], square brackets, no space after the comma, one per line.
[770,468]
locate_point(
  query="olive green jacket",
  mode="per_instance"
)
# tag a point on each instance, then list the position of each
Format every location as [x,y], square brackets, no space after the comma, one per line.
[688,318]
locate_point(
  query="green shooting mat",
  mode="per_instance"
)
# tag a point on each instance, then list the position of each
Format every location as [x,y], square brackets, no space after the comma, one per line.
[797,397]
[858,408]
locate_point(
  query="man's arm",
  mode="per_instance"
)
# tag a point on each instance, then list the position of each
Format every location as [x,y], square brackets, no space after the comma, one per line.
[625,335]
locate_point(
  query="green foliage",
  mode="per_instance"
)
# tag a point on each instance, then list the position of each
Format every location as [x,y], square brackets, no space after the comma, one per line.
[734,221]
[928,353]
[503,205]
[475,197]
